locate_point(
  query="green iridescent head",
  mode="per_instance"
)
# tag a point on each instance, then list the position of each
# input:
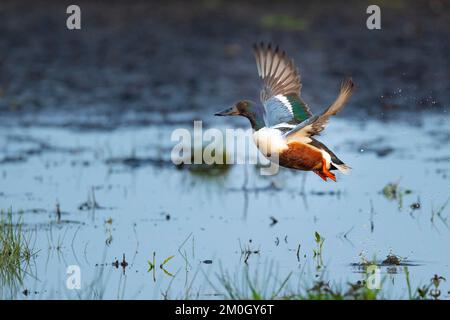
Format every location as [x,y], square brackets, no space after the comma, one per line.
[248,109]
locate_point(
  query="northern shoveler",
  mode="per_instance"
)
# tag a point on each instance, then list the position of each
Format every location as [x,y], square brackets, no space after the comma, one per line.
[284,123]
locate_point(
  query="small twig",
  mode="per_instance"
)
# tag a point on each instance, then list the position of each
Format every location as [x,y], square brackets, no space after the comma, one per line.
[298,253]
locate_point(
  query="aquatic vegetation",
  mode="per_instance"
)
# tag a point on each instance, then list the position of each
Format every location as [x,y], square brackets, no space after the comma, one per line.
[247,251]
[123,264]
[284,22]
[431,290]
[390,191]
[215,169]
[254,285]
[152,266]
[108,231]
[393,191]
[317,253]
[58,211]
[15,250]
[161,266]
[90,203]
[251,284]
[297,252]
[322,290]
[439,211]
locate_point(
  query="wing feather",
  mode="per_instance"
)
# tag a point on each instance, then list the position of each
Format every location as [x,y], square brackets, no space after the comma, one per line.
[316,124]
[280,78]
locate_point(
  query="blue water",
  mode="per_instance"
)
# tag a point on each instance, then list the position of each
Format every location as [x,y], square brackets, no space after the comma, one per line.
[146,207]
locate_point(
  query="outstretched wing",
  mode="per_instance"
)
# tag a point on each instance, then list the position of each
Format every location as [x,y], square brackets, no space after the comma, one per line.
[280,94]
[316,124]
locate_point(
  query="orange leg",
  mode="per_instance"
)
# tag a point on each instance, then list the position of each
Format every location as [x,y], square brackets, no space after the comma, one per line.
[326,172]
[320,174]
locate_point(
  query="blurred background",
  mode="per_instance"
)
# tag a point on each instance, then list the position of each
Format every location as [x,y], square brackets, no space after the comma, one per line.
[166,56]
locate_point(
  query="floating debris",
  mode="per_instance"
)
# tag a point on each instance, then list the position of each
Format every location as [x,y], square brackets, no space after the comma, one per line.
[27,292]
[274,221]
[326,193]
[392,260]
[123,264]
[415,206]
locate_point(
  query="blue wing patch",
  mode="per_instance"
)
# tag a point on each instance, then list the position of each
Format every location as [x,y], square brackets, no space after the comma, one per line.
[285,109]
[278,110]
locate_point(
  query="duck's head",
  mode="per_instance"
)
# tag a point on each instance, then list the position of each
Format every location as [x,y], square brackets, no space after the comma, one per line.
[248,109]
[238,109]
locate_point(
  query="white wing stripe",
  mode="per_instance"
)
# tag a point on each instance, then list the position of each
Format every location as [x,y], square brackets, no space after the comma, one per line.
[285,102]
[279,110]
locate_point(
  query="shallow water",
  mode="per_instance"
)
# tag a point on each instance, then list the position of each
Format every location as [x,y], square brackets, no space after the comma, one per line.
[143,204]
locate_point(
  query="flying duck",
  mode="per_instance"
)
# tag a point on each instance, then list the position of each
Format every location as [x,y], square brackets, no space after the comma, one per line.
[283,124]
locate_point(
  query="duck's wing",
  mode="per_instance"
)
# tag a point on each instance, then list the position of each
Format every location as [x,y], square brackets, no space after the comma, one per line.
[316,124]
[280,94]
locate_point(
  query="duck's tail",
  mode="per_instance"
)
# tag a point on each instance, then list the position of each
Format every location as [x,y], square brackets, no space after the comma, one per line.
[345,169]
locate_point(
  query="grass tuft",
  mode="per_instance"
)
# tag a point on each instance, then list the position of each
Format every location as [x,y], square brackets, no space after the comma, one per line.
[15,250]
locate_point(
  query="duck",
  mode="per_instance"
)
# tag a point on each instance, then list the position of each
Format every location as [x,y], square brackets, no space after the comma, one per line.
[284,128]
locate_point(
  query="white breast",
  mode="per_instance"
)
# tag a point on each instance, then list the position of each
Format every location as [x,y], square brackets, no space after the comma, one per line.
[269,141]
